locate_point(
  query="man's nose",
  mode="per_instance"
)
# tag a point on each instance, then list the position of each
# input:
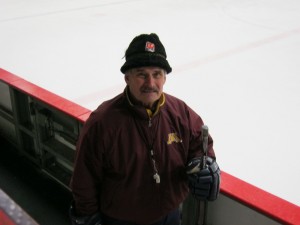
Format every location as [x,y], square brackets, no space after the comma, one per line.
[150,80]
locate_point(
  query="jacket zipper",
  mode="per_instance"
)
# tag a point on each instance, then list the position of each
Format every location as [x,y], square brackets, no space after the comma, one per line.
[149,122]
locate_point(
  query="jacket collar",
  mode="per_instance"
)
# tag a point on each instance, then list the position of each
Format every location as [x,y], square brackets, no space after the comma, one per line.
[150,112]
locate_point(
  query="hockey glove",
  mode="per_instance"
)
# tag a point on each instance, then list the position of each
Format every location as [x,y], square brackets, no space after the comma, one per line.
[204,183]
[94,219]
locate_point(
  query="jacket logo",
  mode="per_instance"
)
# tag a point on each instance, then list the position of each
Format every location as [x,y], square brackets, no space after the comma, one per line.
[172,137]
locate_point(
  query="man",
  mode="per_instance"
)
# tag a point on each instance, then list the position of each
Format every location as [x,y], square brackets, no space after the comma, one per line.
[132,153]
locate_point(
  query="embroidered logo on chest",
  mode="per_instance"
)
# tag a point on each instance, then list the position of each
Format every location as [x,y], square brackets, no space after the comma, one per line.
[172,137]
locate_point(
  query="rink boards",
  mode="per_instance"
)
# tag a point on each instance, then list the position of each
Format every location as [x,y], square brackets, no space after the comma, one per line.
[44,128]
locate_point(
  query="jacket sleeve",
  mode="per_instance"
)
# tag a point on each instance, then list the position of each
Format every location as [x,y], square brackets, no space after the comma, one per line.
[87,174]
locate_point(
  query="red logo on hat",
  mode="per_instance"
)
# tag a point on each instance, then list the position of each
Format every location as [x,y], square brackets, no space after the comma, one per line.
[150,47]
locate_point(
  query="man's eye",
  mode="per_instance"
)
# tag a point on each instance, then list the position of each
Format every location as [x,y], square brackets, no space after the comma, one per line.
[157,75]
[141,75]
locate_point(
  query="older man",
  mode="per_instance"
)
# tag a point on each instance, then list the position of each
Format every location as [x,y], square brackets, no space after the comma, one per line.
[132,153]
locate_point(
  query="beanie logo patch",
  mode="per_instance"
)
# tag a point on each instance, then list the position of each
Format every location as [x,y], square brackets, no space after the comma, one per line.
[150,47]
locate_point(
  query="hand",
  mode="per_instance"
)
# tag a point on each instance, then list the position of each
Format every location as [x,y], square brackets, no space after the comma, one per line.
[94,219]
[204,183]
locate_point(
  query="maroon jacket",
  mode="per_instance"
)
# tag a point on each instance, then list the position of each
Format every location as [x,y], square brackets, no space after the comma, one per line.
[114,171]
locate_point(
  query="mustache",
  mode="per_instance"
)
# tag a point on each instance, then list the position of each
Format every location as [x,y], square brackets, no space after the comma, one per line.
[149,89]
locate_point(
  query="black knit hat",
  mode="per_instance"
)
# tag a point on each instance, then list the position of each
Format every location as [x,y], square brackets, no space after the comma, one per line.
[146,50]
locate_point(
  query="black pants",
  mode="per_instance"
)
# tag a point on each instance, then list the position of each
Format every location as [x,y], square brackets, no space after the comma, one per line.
[173,218]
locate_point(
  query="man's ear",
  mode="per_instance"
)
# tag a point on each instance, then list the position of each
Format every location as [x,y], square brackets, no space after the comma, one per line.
[126,78]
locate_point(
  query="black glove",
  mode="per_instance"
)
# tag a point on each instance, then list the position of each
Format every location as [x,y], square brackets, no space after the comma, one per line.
[204,183]
[94,219]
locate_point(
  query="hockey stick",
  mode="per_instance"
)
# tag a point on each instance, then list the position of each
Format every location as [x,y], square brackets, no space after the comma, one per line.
[202,205]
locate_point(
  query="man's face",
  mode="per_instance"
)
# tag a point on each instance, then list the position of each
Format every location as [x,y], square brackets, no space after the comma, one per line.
[146,84]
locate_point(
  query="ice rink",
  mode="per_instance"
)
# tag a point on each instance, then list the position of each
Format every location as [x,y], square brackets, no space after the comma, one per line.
[236,63]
